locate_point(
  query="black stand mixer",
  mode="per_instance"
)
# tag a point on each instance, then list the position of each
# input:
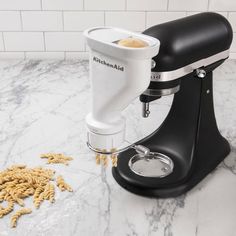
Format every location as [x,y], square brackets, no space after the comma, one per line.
[188,145]
[176,57]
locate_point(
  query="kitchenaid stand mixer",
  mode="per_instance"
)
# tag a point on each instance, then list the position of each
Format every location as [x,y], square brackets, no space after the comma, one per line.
[188,145]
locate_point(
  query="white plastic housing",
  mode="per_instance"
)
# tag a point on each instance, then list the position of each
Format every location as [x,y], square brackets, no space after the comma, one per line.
[118,75]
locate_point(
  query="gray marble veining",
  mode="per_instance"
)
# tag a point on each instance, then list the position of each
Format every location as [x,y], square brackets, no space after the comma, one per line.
[42,109]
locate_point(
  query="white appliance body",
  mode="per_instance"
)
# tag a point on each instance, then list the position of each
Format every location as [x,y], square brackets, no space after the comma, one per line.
[118,75]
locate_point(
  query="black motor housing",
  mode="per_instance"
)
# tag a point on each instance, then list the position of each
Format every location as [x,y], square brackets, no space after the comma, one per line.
[189,136]
[190,39]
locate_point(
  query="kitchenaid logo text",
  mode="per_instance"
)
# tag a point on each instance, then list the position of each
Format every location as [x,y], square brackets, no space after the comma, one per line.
[155,76]
[103,62]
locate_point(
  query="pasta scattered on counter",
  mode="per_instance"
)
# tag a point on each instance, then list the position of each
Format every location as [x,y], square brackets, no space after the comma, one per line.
[18,214]
[19,182]
[56,158]
[62,185]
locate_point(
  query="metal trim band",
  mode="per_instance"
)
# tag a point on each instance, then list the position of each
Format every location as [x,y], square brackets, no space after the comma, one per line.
[175,74]
[161,92]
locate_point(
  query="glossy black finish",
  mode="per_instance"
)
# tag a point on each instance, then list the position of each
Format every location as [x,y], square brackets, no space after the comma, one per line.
[165,85]
[159,86]
[189,136]
[190,39]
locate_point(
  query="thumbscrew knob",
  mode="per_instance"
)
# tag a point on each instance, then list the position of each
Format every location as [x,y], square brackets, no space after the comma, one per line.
[200,73]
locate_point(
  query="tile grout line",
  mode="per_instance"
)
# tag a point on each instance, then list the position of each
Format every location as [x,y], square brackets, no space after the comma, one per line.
[3,41]
[168,2]
[63,23]
[104,21]
[145,19]
[21,21]
[208,5]
[44,42]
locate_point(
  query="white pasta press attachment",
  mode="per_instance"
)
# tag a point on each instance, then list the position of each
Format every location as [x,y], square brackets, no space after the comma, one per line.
[120,70]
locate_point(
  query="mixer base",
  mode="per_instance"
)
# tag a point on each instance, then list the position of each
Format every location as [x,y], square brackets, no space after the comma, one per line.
[189,136]
[168,190]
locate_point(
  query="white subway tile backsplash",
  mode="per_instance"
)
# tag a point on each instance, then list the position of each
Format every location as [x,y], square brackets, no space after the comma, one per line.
[188,5]
[134,21]
[154,18]
[42,21]
[222,5]
[62,4]
[12,55]
[23,41]
[79,21]
[10,21]
[45,55]
[148,5]
[48,29]
[232,19]
[20,5]
[64,41]
[104,5]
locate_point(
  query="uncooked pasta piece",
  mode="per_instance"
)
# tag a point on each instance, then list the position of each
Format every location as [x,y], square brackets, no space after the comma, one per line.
[39,200]
[18,214]
[8,198]
[114,160]
[98,159]
[37,192]
[104,159]
[2,195]
[51,193]
[8,209]
[46,192]
[57,158]
[62,185]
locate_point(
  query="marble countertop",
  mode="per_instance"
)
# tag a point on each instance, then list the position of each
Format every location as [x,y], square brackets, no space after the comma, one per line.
[42,109]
